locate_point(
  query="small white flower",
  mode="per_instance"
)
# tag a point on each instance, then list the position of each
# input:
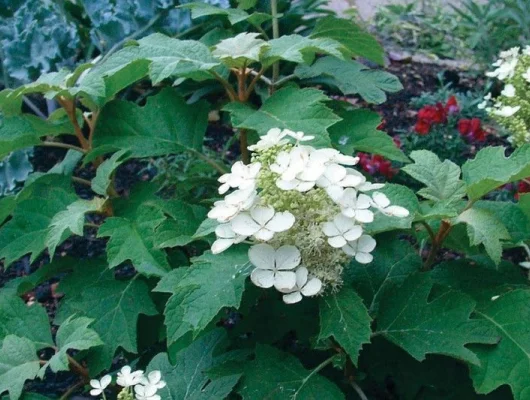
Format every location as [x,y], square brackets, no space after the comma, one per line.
[226,237]
[356,206]
[242,177]
[484,104]
[299,136]
[526,51]
[304,286]
[154,379]
[237,201]
[526,75]
[99,386]
[382,203]
[341,230]
[506,111]
[525,264]
[274,267]
[290,164]
[274,137]
[336,178]
[126,378]
[361,249]
[510,53]
[146,392]
[509,90]
[262,223]
[505,66]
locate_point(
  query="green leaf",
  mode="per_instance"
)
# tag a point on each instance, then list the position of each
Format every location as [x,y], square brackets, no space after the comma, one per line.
[192,306]
[351,77]
[299,49]
[394,260]
[442,179]
[294,109]
[73,334]
[114,306]
[173,57]
[186,379]
[21,131]
[344,316]
[483,227]
[512,217]
[184,222]
[165,125]
[508,362]
[491,169]
[241,50]
[407,318]
[70,221]
[36,205]
[19,319]
[18,363]
[355,41]
[234,15]
[134,239]
[358,132]
[274,375]
[7,205]
[105,172]
[400,196]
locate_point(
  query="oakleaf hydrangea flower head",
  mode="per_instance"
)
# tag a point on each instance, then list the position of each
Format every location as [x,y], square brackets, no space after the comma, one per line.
[512,108]
[99,386]
[303,210]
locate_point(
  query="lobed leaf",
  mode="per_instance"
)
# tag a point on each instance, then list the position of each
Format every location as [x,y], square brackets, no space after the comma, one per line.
[18,363]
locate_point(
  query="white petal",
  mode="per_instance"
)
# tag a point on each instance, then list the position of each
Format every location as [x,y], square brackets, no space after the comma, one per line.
[334,192]
[351,181]
[348,212]
[284,280]
[262,214]
[221,245]
[105,381]
[350,249]
[97,392]
[301,276]
[363,258]
[243,224]
[225,231]
[224,188]
[364,216]
[354,233]
[363,201]
[264,234]
[397,211]
[262,256]
[335,172]
[281,221]
[286,185]
[154,377]
[287,257]
[380,199]
[343,224]
[312,287]
[330,229]
[305,186]
[262,278]
[366,244]
[95,384]
[336,241]
[292,298]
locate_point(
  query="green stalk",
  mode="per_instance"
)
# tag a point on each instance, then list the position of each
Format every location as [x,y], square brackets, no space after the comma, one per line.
[275,35]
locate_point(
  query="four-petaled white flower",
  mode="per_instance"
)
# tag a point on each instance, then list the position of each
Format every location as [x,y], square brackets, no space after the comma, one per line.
[274,267]
[382,203]
[262,223]
[341,230]
[274,137]
[299,136]
[336,178]
[237,201]
[304,287]
[226,237]
[242,177]
[154,379]
[361,249]
[126,378]
[509,90]
[99,386]
[146,393]
[356,206]
[506,111]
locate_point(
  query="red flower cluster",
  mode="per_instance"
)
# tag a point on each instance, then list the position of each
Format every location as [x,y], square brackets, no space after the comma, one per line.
[373,163]
[472,129]
[430,115]
[522,187]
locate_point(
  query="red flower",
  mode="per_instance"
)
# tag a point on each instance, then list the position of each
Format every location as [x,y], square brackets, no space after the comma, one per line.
[397,141]
[374,164]
[428,116]
[451,107]
[422,127]
[472,129]
[522,187]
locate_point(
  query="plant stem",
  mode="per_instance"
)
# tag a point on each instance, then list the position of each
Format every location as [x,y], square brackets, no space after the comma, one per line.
[33,107]
[62,146]
[243,146]
[257,77]
[275,35]
[71,390]
[218,167]
[232,95]
[429,231]
[82,181]
[359,391]
[70,108]
[444,230]
[78,369]
[285,79]
[319,367]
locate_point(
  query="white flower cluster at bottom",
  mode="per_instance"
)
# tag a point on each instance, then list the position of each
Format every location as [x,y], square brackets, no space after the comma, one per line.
[305,207]
[145,386]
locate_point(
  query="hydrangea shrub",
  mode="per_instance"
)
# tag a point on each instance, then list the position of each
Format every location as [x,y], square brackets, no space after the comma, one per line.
[291,274]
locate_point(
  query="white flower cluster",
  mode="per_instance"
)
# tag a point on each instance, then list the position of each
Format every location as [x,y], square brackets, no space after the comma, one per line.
[145,386]
[306,207]
[513,69]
